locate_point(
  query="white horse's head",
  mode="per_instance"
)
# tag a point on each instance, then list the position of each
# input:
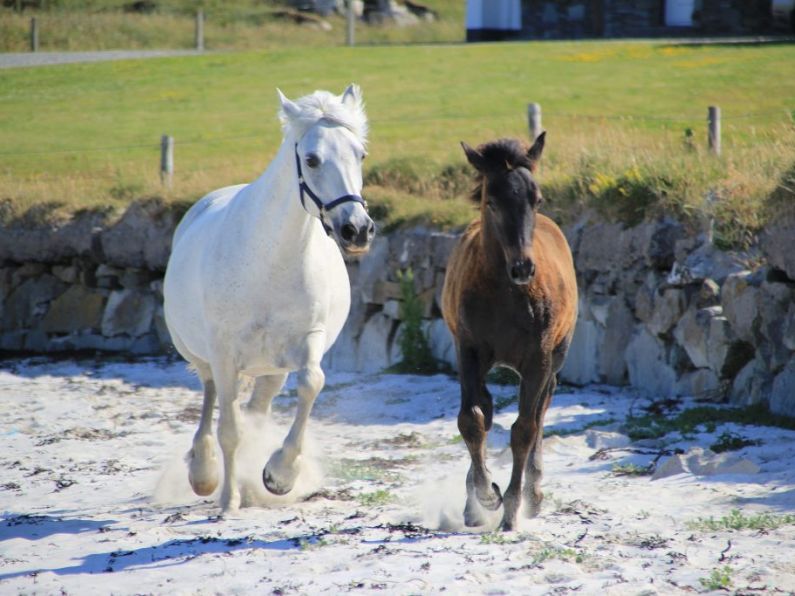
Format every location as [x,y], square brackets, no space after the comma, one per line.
[329,135]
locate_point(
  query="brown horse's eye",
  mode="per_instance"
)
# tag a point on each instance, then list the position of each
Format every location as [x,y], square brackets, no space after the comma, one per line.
[312,160]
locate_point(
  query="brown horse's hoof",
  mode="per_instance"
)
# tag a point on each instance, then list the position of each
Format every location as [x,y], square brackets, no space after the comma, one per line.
[473,515]
[492,500]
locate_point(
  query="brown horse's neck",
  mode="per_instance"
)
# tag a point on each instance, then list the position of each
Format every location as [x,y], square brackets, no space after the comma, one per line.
[493,256]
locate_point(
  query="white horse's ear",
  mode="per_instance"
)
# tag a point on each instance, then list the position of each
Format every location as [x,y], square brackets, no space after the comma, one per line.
[290,108]
[352,95]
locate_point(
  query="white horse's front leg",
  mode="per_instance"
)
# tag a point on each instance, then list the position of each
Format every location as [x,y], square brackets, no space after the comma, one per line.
[282,469]
[202,463]
[226,381]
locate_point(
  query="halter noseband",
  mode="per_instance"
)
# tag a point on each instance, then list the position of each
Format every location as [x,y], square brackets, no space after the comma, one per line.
[322,207]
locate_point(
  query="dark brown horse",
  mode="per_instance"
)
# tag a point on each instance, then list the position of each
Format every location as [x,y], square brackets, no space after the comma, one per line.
[510,299]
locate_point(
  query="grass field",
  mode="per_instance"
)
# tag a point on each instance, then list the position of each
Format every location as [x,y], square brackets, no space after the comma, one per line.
[229,25]
[616,114]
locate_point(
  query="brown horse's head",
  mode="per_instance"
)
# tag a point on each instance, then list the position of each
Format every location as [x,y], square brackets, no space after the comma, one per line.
[509,198]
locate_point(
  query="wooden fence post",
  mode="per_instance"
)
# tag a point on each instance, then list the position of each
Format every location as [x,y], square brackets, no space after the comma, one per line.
[349,36]
[34,35]
[713,117]
[534,120]
[200,30]
[166,160]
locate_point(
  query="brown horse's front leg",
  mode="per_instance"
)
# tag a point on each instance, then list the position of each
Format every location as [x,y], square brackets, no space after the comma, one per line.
[474,421]
[531,492]
[525,433]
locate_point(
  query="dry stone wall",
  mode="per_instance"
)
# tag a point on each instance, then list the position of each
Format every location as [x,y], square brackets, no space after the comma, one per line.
[660,309]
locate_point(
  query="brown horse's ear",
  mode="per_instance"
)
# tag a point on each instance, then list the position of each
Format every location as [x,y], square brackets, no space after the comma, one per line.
[475,158]
[534,153]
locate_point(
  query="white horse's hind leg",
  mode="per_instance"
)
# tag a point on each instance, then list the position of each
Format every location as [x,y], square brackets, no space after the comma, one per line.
[283,466]
[202,462]
[226,380]
[265,389]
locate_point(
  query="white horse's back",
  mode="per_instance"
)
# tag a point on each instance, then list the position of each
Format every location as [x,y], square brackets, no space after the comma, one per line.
[216,199]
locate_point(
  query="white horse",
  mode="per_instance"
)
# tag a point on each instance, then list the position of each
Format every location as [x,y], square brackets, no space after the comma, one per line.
[256,285]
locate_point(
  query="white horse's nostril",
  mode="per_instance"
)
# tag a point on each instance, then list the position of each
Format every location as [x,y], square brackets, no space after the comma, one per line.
[348,232]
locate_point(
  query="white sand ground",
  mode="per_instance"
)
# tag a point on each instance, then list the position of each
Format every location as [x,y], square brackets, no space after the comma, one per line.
[95,500]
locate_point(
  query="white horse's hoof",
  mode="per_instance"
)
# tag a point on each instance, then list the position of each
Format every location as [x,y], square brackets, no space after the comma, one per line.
[279,474]
[203,469]
[230,501]
[273,485]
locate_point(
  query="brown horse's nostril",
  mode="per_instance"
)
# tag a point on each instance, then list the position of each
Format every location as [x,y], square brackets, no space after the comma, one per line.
[348,232]
[522,271]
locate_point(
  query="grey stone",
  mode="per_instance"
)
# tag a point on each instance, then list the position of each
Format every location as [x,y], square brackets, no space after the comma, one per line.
[161,330]
[128,312]
[788,330]
[773,303]
[29,270]
[36,341]
[706,262]
[692,333]
[141,238]
[66,273]
[392,309]
[599,306]
[12,341]
[702,383]
[782,397]
[105,270]
[600,439]
[76,309]
[753,384]
[442,245]
[582,362]
[668,309]
[619,328]
[146,345]
[371,269]
[671,466]
[778,245]
[644,303]
[647,365]
[442,343]
[704,462]
[739,298]
[29,301]
[52,243]
[374,348]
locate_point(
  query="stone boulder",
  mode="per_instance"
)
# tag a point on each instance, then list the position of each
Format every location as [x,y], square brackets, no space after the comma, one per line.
[29,301]
[51,243]
[739,298]
[778,245]
[647,365]
[128,312]
[667,310]
[704,462]
[619,325]
[782,396]
[142,237]
[77,309]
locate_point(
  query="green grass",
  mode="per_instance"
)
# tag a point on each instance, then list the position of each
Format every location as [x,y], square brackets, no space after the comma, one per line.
[719,579]
[376,498]
[687,422]
[82,136]
[737,520]
[630,470]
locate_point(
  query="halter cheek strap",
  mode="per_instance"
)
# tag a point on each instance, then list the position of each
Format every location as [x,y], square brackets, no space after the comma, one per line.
[322,208]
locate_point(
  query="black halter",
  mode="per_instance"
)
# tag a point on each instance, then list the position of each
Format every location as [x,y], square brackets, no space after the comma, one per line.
[322,207]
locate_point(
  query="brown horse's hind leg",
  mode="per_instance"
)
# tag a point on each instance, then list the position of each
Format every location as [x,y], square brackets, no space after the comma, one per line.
[525,433]
[474,421]
[531,491]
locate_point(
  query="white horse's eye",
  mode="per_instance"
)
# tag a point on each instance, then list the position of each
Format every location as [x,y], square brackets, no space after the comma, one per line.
[364,156]
[312,160]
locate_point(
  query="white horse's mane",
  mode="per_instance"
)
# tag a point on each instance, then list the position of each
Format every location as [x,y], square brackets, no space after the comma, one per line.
[322,105]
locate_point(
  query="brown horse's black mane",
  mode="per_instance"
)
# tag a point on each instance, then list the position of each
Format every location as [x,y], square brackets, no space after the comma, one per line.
[499,156]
